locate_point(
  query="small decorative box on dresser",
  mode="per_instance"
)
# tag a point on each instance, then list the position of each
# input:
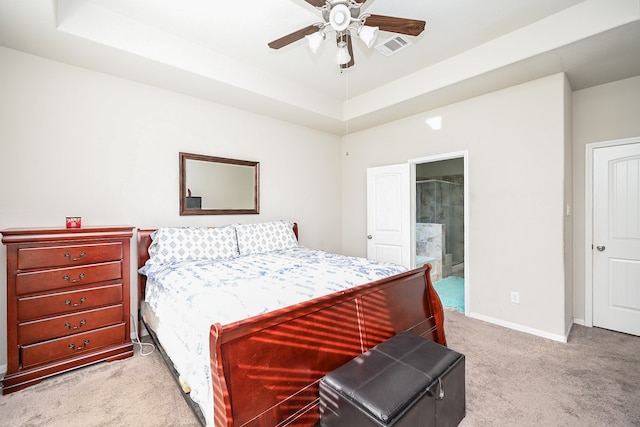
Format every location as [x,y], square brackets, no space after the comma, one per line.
[67,300]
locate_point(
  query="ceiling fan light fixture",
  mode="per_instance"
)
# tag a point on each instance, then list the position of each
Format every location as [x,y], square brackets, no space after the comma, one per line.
[368,34]
[344,17]
[315,40]
[342,56]
[339,17]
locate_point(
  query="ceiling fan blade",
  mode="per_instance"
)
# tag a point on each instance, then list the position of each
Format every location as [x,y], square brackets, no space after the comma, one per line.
[293,37]
[316,3]
[410,27]
[347,37]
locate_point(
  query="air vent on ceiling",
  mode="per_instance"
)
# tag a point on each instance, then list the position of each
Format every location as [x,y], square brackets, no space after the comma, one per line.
[393,45]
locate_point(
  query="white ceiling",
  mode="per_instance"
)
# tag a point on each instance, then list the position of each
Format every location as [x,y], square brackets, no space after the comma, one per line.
[218,51]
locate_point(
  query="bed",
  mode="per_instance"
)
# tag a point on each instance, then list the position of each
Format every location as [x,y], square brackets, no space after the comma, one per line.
[264,366]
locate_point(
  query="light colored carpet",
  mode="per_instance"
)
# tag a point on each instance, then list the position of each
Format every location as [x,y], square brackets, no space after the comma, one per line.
[515,379]
[138,391]
[451,292]
[512,379]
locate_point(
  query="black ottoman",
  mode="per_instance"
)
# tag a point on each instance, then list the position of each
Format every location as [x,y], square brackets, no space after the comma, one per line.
[406,381]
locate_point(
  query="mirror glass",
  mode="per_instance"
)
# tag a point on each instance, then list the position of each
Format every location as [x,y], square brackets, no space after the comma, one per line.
[218,186]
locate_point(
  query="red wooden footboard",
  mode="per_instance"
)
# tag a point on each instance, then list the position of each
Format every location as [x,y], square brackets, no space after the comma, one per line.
[266,369]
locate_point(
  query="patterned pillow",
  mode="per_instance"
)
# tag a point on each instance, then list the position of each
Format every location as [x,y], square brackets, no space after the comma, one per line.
[265,237]
[175,244]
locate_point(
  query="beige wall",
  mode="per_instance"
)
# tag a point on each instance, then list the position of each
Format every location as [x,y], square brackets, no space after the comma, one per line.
[516,158]
[568,211]
[602,113]
[76,142]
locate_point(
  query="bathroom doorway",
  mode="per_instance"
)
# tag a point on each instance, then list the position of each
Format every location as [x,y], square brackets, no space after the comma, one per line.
[439,224]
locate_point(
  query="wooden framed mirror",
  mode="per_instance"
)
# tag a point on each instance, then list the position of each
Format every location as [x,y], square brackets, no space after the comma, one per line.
[218,186]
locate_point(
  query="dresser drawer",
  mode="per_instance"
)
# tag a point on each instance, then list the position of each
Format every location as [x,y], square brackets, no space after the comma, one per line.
[66,347]
[40,306]
[59,256]
[46,280]
[60,326]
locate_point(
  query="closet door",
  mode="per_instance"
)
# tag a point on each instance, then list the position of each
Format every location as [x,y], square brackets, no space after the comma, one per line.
[616,238]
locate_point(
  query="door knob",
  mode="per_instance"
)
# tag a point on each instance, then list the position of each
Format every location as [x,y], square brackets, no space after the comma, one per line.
[601,248]
[369,237]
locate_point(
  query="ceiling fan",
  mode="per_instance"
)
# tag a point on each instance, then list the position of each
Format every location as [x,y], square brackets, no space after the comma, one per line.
[344,17]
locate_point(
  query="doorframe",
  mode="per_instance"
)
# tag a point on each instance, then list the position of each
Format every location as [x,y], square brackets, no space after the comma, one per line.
[464,154]
[588,221]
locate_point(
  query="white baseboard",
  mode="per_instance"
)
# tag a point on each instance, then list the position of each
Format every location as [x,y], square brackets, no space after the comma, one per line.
[568,331]
[578,321]
[518,327]
[3,370]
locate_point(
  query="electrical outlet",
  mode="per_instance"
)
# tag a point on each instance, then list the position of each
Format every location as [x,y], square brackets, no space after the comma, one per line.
[515,297]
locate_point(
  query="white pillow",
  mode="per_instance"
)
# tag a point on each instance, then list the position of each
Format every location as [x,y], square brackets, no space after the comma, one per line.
[176,244]
[265,237]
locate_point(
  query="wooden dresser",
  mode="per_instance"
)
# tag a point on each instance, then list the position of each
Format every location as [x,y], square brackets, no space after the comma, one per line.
[67,300]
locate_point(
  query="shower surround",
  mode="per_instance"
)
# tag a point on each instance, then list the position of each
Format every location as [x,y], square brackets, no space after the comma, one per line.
[440,222]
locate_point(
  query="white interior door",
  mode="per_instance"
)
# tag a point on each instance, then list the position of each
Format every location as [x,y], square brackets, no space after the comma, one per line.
[389,214]
[616,238]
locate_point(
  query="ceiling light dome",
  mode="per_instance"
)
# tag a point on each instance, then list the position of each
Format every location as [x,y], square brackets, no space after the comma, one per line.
[339,17]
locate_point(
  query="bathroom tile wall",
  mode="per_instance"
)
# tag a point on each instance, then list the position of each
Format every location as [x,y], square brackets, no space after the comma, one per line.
[442,202]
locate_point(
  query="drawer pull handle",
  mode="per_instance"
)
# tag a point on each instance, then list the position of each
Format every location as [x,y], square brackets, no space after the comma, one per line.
[73,328]
[68,255]
[73,347]
[68,302]
[70,280]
